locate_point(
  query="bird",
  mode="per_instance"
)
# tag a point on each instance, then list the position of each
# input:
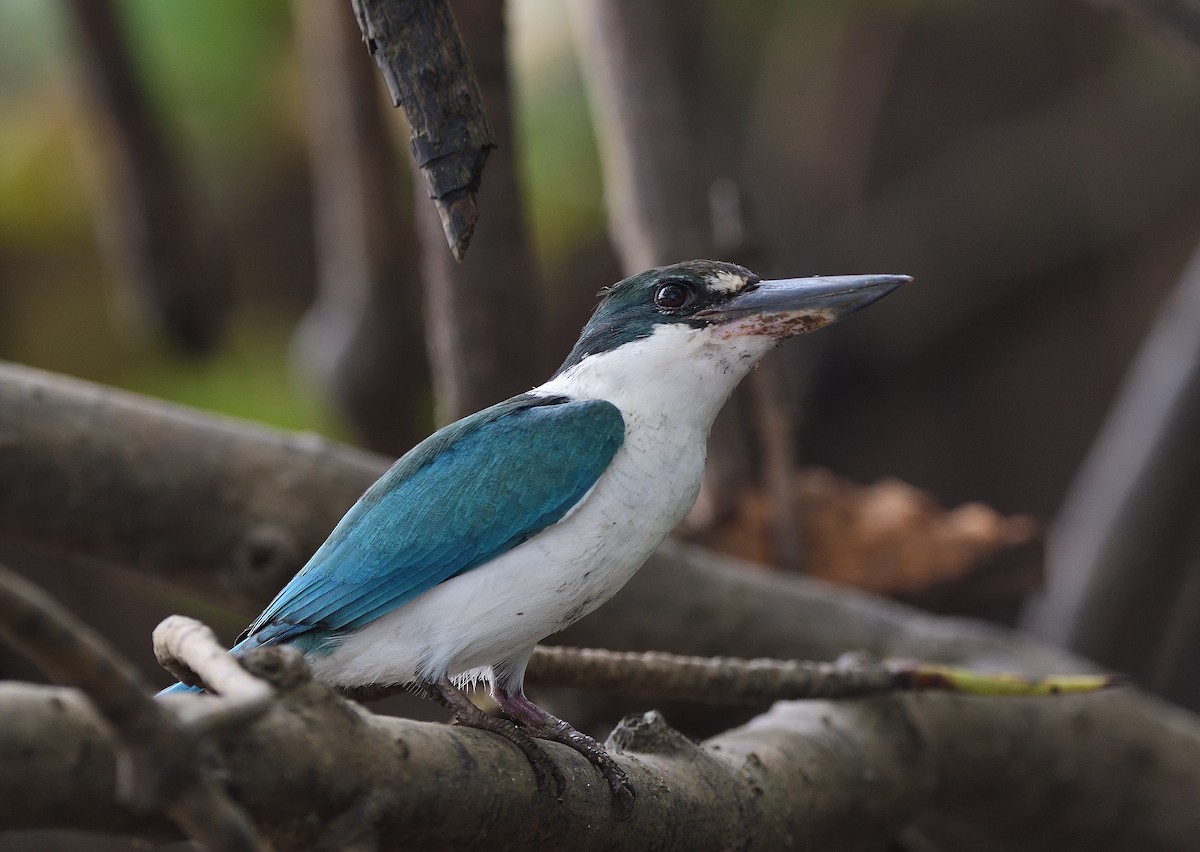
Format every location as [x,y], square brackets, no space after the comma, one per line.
[512,523]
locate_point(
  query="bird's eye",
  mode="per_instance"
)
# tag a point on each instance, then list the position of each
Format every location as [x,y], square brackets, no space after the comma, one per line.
[672,296]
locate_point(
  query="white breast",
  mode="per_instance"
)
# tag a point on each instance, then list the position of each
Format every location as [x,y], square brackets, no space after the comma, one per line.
[503,608]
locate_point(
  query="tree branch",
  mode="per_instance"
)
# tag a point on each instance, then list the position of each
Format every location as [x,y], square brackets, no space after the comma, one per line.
[809,775]
[429,75]
[224,508]
[483,314]
[140,483]
[731,680]
[154,759]
[190,651]
[231,511]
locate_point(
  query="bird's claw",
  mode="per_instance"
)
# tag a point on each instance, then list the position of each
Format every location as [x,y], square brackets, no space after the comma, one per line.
[546,774]
[524,721]
[623,793]
[549,778]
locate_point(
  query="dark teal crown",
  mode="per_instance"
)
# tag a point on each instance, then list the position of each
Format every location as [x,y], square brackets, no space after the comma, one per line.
[631,309]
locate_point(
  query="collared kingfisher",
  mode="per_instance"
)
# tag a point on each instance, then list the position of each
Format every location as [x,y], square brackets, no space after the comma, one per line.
[513,523]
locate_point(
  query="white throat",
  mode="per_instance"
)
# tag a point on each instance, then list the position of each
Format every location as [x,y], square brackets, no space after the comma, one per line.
[679,374]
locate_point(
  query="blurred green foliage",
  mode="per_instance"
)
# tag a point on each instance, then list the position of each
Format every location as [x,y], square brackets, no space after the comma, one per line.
[223,78]
[559,164]
[214,71]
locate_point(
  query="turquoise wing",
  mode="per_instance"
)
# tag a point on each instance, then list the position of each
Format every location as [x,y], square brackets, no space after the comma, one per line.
[462,497]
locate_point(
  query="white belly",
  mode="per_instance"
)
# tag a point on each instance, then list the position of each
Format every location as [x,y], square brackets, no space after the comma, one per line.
[503,608]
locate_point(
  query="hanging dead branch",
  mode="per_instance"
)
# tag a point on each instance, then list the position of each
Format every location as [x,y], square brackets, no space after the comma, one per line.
[429,75]
[483,314]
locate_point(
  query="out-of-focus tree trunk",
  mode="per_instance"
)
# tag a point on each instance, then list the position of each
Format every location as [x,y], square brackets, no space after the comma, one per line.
[157,243]
[635,58]
[363,338]
[1126,535]
[1176,21]
[482,314]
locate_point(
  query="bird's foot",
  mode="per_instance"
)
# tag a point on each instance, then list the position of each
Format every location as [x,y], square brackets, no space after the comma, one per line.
[546,726]
[546,773]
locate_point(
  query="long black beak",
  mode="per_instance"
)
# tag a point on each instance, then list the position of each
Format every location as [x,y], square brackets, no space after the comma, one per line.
[794,305]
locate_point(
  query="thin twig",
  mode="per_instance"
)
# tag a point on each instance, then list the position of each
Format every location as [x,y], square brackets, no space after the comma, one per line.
[189,650]
[712,680]
[729,680]
[72,653]
[734,681]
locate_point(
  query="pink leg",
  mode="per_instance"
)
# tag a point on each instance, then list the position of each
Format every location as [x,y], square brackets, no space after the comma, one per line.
[547,774]
[512,701]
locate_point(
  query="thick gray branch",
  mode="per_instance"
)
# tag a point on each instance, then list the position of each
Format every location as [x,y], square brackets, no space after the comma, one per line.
[173,493]
[811,775]
[154,764]
[225,508]
[232,511]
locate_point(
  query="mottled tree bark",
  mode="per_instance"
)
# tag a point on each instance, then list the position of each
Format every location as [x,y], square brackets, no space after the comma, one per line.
[428,73]
[808,775]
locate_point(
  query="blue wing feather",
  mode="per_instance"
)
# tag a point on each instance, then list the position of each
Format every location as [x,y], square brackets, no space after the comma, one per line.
[465,495]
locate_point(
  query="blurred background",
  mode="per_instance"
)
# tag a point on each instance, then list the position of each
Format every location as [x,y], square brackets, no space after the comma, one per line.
[212,203]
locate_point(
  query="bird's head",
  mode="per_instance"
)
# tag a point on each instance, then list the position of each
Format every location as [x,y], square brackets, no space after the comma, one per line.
[698,327]
[707,300]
